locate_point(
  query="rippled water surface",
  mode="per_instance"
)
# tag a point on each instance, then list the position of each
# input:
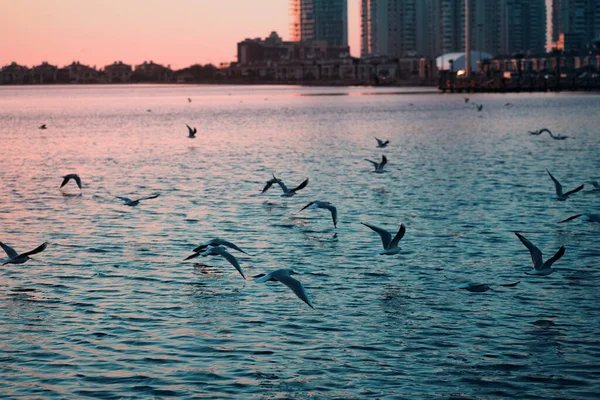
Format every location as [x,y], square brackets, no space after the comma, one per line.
[110,309]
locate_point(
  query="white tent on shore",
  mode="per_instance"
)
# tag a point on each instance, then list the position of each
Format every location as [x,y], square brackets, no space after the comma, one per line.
[459,59]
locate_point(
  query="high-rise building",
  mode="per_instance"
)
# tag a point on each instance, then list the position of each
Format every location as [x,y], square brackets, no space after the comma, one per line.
[524,26]
[388,28]
[577,20]
[319,20]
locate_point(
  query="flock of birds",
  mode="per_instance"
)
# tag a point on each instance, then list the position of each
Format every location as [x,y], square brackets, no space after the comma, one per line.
[218,246]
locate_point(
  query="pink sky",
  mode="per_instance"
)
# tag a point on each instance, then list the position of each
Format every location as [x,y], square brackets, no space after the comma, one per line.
[175,32]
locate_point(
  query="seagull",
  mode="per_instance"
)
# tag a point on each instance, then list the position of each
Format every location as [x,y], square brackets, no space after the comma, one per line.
[43,127]
[508,105]
[539,266]
[218,251]
[148,110]
[189,100]
[479,106]
[539,132]
[586,217]
[390,246]
[381,144]
[559,191]
[192,132]
[323,204]
[483,287]
[14,258]
[378,165]
[217,242]
[68,177]
[133,203]
[284,276]
[467,99]
[286,192]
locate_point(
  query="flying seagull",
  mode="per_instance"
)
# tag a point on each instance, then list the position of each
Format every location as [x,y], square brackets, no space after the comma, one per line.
[219,251]
[192,132]
[585,217]
[284,276]
[133,203]
[483,287]
[479,106]
[323,204]
[381,144]
[68,177]
[539,132]
[43,126]
[378,165]
[559,190]
[286,192]
[390,246]
[467,99]
[189,100]
[14,258]
[217,242]
[539,266]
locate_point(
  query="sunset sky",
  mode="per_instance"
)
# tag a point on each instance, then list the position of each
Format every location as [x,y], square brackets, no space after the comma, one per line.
[175,32]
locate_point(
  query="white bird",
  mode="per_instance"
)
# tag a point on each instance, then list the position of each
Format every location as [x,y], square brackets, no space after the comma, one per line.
[132,203]
[68,177]
[219,251]
[539,266]
[14,258]
[284,276]
[381,144]
[323,204]
[390,246]
[378,165]
[286,192]
[483,287]
[191,132]
[217,242]
[585,217]
[559,190]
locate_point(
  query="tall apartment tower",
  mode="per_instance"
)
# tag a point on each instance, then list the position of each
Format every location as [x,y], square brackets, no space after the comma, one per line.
[319,20]
[388,28]
[578,20]
[524,26]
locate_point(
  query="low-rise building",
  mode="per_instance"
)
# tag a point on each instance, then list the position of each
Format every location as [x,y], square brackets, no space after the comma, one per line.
[44,73]
[14,74]
[78,73]
[152,72]
[117,72]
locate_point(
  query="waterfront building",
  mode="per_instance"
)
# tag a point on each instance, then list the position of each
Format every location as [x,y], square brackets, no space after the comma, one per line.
[78,73]
[319,20]
[14,73]
[44,73]
[578,21]
[118,72]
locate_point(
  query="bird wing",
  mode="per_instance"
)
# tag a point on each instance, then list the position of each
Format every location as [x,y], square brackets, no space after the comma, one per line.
[232,260]
[512,284]
[375,164]
[296,287]
[379,141]
[270,183]
[557,184]
[383,162]
[10,252]
[398,236]
[200,248]
[536,133]
[386,237]
[262,278]
[301,186]
[195,131]
[570,218]
[38,249]
[189,129]
[196,254]
[125,199]
[65,180]
[308,205]
[153,196]
[570,192]
[282,185]
[536,254]
[554,258]
[77,180]
[231,246]
[333,214]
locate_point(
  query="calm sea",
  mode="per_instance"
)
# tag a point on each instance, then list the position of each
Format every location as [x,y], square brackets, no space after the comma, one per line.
[110,310]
